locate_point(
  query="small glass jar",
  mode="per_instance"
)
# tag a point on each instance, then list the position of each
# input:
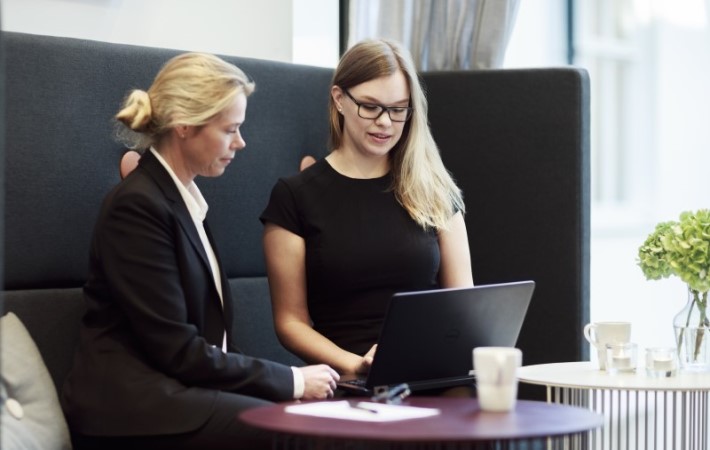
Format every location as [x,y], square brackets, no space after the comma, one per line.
[621,357]
[661,362]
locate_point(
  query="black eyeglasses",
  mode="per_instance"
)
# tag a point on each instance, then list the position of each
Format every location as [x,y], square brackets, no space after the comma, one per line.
[374,111]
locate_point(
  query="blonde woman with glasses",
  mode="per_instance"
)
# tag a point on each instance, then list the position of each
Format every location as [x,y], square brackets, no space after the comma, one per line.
[380,214]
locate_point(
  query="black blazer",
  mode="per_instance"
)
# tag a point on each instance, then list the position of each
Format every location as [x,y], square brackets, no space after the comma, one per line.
[149,359]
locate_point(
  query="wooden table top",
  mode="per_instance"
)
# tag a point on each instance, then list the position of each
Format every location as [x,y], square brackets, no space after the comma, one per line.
[460,420]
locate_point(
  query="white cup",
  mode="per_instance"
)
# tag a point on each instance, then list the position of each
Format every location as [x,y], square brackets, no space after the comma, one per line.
[496,377]
[599,334]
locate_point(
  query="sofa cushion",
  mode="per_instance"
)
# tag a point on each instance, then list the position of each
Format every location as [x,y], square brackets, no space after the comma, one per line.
[31,417]
[52,317]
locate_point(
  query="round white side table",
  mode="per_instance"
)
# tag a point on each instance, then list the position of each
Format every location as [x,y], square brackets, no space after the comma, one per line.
[640,412]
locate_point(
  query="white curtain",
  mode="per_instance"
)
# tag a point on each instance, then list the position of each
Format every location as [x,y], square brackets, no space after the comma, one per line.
[441,34]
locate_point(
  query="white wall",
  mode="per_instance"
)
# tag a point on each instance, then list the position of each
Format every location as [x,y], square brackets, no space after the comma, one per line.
[539,37]
[683,122]
[267,29]
[316,32]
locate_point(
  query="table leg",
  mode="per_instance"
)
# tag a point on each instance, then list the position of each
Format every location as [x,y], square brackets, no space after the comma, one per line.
[642,420]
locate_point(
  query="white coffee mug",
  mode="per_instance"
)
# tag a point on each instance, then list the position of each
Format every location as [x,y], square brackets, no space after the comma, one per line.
[496,370]
[601,333]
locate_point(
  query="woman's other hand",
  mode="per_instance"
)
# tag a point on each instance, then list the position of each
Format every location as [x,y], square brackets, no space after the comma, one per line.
[366,361]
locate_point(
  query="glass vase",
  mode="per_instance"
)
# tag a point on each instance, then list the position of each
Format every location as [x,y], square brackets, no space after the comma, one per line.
[692,333]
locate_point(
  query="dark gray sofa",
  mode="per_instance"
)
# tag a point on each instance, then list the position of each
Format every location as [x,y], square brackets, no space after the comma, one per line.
[517,141]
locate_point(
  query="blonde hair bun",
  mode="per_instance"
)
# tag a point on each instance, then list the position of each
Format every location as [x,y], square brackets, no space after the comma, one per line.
[190,89]
[137,111]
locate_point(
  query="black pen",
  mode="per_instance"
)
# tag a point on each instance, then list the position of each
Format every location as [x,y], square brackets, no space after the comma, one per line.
[363,407]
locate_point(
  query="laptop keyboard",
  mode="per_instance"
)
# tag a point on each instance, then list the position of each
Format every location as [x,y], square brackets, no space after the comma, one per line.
[361,382]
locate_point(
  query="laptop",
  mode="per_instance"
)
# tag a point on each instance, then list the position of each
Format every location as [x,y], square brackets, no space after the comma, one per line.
[427,337]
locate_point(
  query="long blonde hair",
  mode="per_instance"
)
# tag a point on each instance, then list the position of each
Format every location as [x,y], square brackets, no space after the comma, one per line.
[190,89]
[421,183]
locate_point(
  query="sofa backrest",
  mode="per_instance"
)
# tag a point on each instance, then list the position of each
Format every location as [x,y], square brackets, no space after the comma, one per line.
[61,159]
[516,141]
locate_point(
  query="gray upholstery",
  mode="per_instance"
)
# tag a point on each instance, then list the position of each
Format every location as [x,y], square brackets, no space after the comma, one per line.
[63,93]
[516,140]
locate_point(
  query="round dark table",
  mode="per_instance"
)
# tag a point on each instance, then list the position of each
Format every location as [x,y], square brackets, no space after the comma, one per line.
[460,425]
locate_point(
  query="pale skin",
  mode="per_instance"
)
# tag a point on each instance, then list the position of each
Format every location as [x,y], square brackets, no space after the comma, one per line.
[363,154]
[206,151]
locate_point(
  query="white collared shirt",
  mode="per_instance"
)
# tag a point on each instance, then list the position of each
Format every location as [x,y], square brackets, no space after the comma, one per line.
[197,206]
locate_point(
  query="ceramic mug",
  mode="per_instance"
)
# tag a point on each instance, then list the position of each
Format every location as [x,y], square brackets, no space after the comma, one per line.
[601,333]
[496,377]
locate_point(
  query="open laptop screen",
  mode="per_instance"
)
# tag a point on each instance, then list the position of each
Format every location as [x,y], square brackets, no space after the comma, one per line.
[429,335]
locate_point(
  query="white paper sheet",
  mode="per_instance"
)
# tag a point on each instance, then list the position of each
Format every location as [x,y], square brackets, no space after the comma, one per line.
[361,411]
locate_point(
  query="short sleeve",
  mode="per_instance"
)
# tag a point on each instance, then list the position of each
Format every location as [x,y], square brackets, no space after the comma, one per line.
[282,209]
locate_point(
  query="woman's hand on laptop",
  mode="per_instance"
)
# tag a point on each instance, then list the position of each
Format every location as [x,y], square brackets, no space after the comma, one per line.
[366,361]
[320,381]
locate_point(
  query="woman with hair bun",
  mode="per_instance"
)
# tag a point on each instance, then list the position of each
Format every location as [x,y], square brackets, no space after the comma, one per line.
[380,214]
[156,367]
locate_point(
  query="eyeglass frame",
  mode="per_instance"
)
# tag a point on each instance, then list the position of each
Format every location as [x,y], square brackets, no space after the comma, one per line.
[383,109]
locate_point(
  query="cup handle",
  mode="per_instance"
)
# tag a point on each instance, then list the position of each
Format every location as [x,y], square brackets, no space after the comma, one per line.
[588,329]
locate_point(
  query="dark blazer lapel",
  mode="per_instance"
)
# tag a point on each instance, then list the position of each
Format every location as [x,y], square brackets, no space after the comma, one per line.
[163,179]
